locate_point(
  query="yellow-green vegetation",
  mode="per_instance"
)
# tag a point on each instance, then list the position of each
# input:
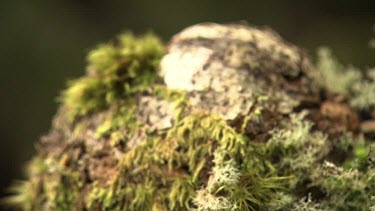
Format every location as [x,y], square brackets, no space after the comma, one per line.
[168,173]
[115,70]
[100,155]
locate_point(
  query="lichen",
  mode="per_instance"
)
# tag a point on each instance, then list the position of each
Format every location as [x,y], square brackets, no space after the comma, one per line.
[335,76]
[364,92]
[296,148]
[306,204]
[347,189]
[349,81]
[225,68]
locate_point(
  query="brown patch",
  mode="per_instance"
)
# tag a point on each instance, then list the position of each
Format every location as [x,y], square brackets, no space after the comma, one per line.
[50,143]
[335,118]
[102,170]
[258,127]
[368,127]
[94,159]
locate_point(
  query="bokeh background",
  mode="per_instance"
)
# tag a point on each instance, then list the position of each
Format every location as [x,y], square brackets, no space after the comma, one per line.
[44,43]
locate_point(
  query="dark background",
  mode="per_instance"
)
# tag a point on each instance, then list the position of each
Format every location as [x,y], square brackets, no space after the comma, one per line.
[44,43]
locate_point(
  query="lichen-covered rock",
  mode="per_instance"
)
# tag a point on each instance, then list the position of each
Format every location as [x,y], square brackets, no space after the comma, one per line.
[226,117]
[226,67]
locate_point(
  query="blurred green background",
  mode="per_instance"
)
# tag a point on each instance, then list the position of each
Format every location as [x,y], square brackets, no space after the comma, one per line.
[44,43]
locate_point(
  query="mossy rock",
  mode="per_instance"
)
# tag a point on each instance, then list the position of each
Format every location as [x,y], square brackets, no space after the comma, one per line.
[226,117]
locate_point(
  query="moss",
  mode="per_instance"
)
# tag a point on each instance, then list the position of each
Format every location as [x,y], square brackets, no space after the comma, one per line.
[115,70]
[52,188]
[237,166]
[119,123]
[176,163]
[28,195]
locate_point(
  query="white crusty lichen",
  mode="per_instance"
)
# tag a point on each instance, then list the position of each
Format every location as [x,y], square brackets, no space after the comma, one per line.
[307,204]
[225,67]
[224,174]
[156,114]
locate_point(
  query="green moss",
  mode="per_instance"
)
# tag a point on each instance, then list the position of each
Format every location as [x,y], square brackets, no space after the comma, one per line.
[242,188]
[28,195]
[52,187]
[177,162]
[176,96]
[238,165]
[181,193]
[61,185]
[115,70]
[119,122]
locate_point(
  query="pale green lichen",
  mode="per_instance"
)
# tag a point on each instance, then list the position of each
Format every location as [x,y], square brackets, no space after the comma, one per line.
[346,189]
[306,204]
[372,208]
[333,75]
[346,80]
[296,147]
[364,97]
[300,153]
[239,194]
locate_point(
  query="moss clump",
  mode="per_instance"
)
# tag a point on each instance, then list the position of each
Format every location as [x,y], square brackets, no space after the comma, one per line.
[125,140]
[28,194]
[115,70]
[177,164]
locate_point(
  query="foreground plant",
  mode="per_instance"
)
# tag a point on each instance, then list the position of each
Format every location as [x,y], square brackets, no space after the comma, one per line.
[228,117]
